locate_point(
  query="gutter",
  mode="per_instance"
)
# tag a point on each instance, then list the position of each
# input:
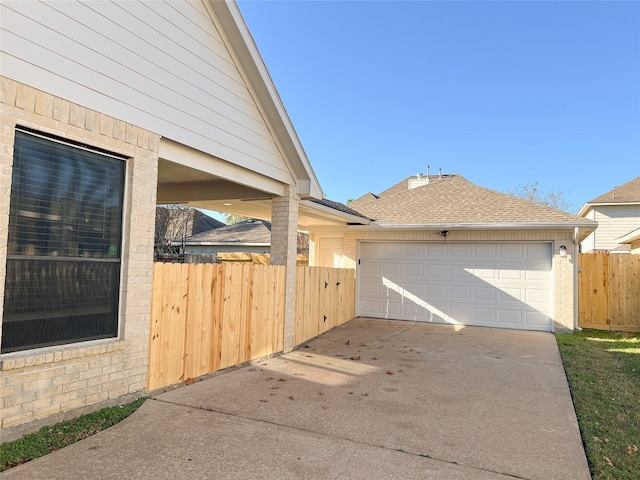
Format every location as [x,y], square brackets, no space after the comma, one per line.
[478,226]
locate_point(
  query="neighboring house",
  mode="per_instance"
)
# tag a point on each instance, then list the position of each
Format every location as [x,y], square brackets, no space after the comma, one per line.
[617,213]
[107,110]
[252,235]
[442,249]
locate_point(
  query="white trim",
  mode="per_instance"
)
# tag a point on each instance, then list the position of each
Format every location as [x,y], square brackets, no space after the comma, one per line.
[587,206]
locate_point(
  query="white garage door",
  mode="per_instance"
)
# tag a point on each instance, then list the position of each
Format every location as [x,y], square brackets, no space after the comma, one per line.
[488,284]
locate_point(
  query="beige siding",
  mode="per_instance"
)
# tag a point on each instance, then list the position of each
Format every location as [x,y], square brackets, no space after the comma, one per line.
[162,65]
[563,266]
[613,222]
[44,385]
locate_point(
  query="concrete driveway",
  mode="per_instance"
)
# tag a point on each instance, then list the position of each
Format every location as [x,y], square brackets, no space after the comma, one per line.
[371,399]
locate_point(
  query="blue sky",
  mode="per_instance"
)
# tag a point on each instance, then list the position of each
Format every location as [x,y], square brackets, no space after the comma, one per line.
[504,93]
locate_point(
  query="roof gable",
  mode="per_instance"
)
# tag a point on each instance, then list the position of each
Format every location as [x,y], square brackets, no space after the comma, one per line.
[186,70]
[628,192]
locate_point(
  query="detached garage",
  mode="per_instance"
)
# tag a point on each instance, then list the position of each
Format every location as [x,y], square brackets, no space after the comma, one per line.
[442,249]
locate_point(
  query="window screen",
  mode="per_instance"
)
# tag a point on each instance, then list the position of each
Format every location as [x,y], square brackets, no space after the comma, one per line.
[65,231]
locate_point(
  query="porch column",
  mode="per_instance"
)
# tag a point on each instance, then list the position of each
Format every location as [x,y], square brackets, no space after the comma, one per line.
[284,242]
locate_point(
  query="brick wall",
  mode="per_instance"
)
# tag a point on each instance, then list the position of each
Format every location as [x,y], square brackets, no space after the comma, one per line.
[563,266]
[46,385]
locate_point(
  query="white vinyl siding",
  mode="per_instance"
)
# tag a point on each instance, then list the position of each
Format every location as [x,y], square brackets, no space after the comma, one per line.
[505,285]
[160,65]
[614,221]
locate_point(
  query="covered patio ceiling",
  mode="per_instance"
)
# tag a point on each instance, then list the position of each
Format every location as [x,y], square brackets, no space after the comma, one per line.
[181,184]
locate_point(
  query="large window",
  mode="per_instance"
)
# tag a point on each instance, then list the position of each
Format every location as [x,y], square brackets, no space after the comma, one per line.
[64,251]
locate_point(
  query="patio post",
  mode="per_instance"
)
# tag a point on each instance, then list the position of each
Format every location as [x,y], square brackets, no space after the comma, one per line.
[284,235]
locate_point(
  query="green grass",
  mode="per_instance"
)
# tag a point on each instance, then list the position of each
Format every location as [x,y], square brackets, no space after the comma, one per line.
[51,438]
[603,369]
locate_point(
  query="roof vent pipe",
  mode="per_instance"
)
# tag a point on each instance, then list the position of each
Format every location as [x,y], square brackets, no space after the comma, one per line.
[419,175]
[428,168]
[439,173]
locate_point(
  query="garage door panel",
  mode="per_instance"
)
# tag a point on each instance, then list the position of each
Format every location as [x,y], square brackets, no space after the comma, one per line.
[436,291]
[511,317]
[537,275]
[537,251]
[414,270]
[485,294]
[392,269]
[460,250]
[414,250]
[437,271]
[485,316]
[435,250]
[508,295]
[459,292]
[535,296]
[510,274]
[509,250]
[484,252]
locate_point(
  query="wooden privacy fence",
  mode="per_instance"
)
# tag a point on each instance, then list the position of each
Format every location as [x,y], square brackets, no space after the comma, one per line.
[325,298]
[206,317]
[609,292]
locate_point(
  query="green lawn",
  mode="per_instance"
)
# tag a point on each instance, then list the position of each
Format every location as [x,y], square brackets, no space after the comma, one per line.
[603,369]
[51,438]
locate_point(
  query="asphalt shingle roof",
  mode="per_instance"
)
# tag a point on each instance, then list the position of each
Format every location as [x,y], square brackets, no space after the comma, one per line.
[338,206]
[249,231]
[455,200]
[628,192]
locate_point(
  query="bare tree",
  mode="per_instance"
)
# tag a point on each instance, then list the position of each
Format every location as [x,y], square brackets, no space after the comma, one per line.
[173,223]
[551,198]
[231,219]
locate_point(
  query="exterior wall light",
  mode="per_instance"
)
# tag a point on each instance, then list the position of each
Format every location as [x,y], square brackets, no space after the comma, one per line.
[563,251]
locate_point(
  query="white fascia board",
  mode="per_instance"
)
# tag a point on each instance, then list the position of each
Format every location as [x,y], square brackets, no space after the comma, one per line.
[629,237]
[477,226]
[584,210]
[592,206]
[240,38]
[341,217]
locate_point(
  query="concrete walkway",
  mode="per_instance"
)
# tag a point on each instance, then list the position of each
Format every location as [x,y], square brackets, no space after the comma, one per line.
[373,399]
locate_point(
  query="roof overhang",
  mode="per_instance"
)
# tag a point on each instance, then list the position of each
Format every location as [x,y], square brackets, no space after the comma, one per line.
[248,56]
[631,237]
[590,206]
[311,214]
[586,226]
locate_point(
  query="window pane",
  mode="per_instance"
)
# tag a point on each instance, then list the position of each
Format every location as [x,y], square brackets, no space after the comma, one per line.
[51,302]
[64,201]
[65,228]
